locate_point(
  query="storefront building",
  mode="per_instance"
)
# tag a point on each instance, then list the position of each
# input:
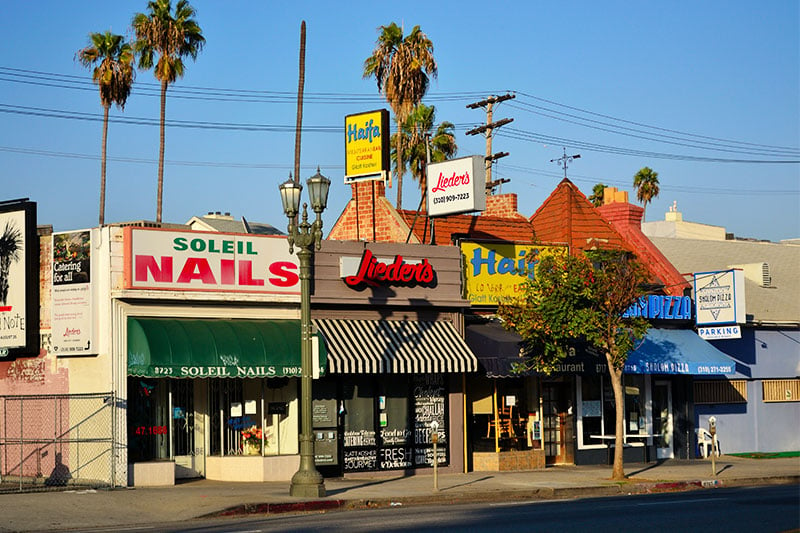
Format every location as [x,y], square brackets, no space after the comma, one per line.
[392,319]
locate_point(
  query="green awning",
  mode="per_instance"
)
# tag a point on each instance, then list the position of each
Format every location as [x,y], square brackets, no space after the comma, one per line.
[201,348]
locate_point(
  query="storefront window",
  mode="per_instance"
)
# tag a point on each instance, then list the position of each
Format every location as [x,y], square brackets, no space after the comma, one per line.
[598,407]
[387,421]
[502,416]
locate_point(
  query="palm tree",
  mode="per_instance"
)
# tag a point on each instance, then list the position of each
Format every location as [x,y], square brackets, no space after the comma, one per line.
[169,37]
[112,59]
[401,66]
[10,252]
[597,194]
[418,126]
[646,184]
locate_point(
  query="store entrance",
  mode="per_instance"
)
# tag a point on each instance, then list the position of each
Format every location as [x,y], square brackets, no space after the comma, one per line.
[188,431]
[662,419]
[557,423]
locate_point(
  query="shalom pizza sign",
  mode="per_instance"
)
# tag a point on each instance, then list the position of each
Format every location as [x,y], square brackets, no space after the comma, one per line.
[208,261]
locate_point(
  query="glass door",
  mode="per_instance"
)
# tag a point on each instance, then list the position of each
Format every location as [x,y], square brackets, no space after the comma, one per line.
[662,419]
[187,462]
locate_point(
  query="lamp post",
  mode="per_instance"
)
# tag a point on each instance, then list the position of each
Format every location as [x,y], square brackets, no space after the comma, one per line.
[307,482]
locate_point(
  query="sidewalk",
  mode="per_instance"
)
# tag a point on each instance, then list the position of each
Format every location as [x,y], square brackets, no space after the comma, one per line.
[128,507]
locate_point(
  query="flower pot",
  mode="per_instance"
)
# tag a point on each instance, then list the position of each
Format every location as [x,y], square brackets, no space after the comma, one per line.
[252,449]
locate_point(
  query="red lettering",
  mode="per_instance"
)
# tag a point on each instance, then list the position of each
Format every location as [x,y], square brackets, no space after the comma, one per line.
[371,270]
[147,263]
[197,268]
[228,271]
[246,274]
[285,276]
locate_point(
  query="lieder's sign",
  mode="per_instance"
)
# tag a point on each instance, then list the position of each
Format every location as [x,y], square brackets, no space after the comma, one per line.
[372,270]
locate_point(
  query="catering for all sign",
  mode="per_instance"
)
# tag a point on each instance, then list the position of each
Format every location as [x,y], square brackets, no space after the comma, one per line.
[496,271]
[72,306]
[206,261]
[366,143]
[457,186]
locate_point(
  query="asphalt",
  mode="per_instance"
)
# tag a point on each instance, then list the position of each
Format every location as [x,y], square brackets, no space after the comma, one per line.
[127,507]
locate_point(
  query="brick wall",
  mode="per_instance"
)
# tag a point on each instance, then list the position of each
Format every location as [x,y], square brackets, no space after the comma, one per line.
[369,216]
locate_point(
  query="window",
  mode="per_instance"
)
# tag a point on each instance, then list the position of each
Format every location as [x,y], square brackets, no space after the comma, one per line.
[597,407]
[781,390]
[720,391]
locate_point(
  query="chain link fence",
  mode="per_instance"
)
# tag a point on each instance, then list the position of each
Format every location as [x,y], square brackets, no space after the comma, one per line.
[50,442]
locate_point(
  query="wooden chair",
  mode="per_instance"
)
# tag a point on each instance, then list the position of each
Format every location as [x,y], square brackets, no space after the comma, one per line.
[504,422]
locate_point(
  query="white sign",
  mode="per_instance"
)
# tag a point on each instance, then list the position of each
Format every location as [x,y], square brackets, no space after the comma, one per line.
[719,297]
[720,332]
[457,186]
[72,311]
[209,261]
[13,279]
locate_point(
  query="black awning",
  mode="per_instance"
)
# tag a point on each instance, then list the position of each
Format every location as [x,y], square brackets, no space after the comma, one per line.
[496,348]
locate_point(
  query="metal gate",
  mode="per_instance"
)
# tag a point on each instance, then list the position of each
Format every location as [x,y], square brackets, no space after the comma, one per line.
[49,442]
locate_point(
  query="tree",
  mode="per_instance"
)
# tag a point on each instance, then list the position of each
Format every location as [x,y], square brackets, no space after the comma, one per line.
[170,38]
[582,297]
[597,194]
[10,252]
[401,67]
[112,59]
[418,126]
[646,184]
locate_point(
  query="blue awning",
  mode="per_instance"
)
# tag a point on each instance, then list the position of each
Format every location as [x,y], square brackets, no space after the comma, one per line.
[678,351]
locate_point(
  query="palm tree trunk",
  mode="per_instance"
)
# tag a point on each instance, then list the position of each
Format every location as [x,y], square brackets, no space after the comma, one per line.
[161,150]
[399,150]
[103,166]
[300,84]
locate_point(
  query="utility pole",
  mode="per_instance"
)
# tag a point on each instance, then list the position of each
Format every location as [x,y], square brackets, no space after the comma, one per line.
[488,130]
[563,160]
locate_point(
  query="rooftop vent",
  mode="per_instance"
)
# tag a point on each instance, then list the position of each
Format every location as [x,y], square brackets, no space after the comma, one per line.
[757,273]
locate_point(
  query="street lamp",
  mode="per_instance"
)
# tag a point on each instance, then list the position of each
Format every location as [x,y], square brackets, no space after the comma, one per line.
[307,482]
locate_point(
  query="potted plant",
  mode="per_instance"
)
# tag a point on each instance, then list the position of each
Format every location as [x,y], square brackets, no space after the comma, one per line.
[252,438]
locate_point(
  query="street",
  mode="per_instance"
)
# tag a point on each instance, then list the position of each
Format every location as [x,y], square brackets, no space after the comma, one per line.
[756,509]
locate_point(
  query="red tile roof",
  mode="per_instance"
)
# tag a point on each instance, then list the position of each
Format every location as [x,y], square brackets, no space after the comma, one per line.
[474,227]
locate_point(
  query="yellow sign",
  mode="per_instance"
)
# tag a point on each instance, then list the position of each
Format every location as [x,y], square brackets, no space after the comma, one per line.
[367,142]
[498,271]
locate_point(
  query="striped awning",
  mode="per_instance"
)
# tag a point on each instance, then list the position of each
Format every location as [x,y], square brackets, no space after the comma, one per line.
[394,346]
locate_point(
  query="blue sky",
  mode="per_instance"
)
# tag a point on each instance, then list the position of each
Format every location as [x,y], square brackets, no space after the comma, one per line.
[690,89]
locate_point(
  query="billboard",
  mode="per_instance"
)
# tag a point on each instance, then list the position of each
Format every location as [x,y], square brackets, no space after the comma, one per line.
[210,262]
[19,279]
[72,315]
[457,186]
[497,271]
[719,297]
[366,144]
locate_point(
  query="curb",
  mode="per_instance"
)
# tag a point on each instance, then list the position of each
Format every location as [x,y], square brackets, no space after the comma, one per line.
[499,496]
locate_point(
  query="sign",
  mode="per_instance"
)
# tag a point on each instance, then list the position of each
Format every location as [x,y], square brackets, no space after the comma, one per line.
[719,297]
[720,332]
[367,143]
[209,261]
[661,307]
[19,279]
[372,270]
[72,311]
[457,186]
[497,271]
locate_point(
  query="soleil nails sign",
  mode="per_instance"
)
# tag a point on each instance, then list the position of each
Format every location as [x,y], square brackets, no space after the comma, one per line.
[207,261]
[457,186]
[371,270]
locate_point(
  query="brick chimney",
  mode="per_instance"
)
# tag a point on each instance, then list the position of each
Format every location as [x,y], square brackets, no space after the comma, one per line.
[502,205]
[618,211]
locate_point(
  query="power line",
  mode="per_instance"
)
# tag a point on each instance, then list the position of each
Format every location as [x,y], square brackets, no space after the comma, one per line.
[649,126]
